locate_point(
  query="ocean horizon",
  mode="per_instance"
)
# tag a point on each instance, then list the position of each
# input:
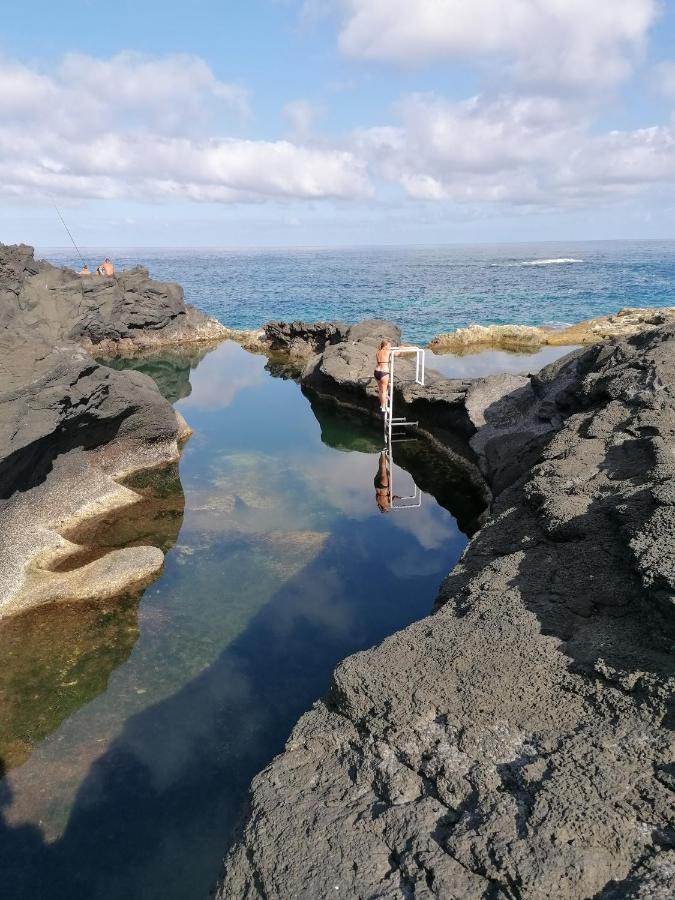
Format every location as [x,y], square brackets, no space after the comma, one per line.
[425,289]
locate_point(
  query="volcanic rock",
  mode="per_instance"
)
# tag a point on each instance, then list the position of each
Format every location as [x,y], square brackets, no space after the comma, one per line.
[518,743]
[71,428]
[626,323]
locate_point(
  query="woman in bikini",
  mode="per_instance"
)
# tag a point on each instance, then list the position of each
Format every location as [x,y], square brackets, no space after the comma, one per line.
[382,358]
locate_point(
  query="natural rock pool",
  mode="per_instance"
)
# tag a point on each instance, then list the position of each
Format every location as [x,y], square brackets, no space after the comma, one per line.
[130,729]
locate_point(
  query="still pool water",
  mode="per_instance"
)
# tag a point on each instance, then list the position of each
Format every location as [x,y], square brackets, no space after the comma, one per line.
[130,730]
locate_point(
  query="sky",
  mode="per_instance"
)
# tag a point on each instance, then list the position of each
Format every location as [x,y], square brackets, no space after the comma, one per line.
[229,123]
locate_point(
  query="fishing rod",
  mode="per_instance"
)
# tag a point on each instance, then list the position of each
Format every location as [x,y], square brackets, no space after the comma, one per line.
[58,213]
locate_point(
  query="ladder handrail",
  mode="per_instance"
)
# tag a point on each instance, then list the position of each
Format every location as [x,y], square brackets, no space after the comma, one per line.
[420,358]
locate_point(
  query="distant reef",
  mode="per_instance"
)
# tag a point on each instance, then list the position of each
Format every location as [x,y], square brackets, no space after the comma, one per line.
[301,339]
[626,323]
[72,430]
[518,743]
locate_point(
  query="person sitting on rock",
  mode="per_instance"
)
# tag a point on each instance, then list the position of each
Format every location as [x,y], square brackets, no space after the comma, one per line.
[106,268]
[84,270]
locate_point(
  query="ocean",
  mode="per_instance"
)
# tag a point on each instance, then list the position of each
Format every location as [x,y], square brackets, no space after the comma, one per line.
[424,290]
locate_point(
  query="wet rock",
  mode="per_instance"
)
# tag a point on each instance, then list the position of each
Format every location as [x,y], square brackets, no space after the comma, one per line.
[518,742]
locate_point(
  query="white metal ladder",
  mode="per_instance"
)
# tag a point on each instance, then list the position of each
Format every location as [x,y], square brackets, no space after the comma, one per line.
[394,426]
[391,421]
[411,501]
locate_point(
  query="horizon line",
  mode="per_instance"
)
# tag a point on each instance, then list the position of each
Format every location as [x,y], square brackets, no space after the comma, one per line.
[242,247]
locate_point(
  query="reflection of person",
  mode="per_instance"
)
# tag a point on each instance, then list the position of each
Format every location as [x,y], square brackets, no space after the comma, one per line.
[382,358]
[106,268]
[382,489]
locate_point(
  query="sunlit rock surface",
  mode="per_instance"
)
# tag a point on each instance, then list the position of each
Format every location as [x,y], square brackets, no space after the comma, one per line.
[626,323]
[71,429]
[519,742]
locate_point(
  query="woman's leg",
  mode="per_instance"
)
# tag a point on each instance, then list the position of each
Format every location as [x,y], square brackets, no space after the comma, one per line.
[384,387]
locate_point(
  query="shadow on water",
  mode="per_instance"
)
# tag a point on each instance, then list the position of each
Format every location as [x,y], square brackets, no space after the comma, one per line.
[154,814]
[433,472]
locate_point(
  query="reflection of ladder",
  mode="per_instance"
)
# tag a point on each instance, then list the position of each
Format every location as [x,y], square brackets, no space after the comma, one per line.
[412,501]
[393,425]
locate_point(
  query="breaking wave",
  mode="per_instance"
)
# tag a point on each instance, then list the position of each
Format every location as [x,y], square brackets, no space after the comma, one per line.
[558,261]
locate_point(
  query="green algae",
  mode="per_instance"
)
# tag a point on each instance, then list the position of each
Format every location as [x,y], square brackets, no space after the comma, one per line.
[55,659]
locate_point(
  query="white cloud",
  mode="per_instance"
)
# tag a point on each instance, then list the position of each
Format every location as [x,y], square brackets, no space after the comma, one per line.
[151,129]
[664,78]
[510,149]
[148,128]
[301,115]
[177,92]
[561,41]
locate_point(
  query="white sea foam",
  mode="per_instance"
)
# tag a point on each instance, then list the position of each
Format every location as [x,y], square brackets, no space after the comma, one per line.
[558,261]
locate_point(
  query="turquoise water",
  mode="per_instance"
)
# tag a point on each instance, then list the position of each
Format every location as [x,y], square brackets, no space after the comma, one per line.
[130,729]
[425,290]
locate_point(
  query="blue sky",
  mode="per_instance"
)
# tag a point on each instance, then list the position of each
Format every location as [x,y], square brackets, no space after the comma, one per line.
[274,122]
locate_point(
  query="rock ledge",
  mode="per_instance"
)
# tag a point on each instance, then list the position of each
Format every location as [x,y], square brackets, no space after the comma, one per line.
[518,743]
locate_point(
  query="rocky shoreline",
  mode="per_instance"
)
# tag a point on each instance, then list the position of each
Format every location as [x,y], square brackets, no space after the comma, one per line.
[528,338]
[518,743]
[299,339]
[72,429]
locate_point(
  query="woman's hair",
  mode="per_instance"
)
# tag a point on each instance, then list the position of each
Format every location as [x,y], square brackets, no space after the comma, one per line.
[383,344]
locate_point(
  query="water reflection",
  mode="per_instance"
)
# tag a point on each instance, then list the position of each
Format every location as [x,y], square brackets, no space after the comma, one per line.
[283,565]
[478,363]
[382,485]
[446,479]
[170,369]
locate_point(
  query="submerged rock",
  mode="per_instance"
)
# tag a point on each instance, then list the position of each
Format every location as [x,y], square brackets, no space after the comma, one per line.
[518,742]
[71,429]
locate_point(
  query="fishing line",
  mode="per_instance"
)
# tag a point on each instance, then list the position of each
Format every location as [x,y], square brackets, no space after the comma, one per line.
[58,213]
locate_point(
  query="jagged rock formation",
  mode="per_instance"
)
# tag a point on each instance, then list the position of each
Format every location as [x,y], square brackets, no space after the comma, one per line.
[121,314]
[518,743]
[72,429]
[626,323]
[302,339]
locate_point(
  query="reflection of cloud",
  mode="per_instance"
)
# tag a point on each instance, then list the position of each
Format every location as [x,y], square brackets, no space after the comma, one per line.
[222,374]
[346,484]
[493,362]
[413,563]
[431,526]
[320,605]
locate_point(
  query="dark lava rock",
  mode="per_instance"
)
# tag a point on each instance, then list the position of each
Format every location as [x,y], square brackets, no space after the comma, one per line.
[58,405]
[122,313]
[518,743]
[302,339]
